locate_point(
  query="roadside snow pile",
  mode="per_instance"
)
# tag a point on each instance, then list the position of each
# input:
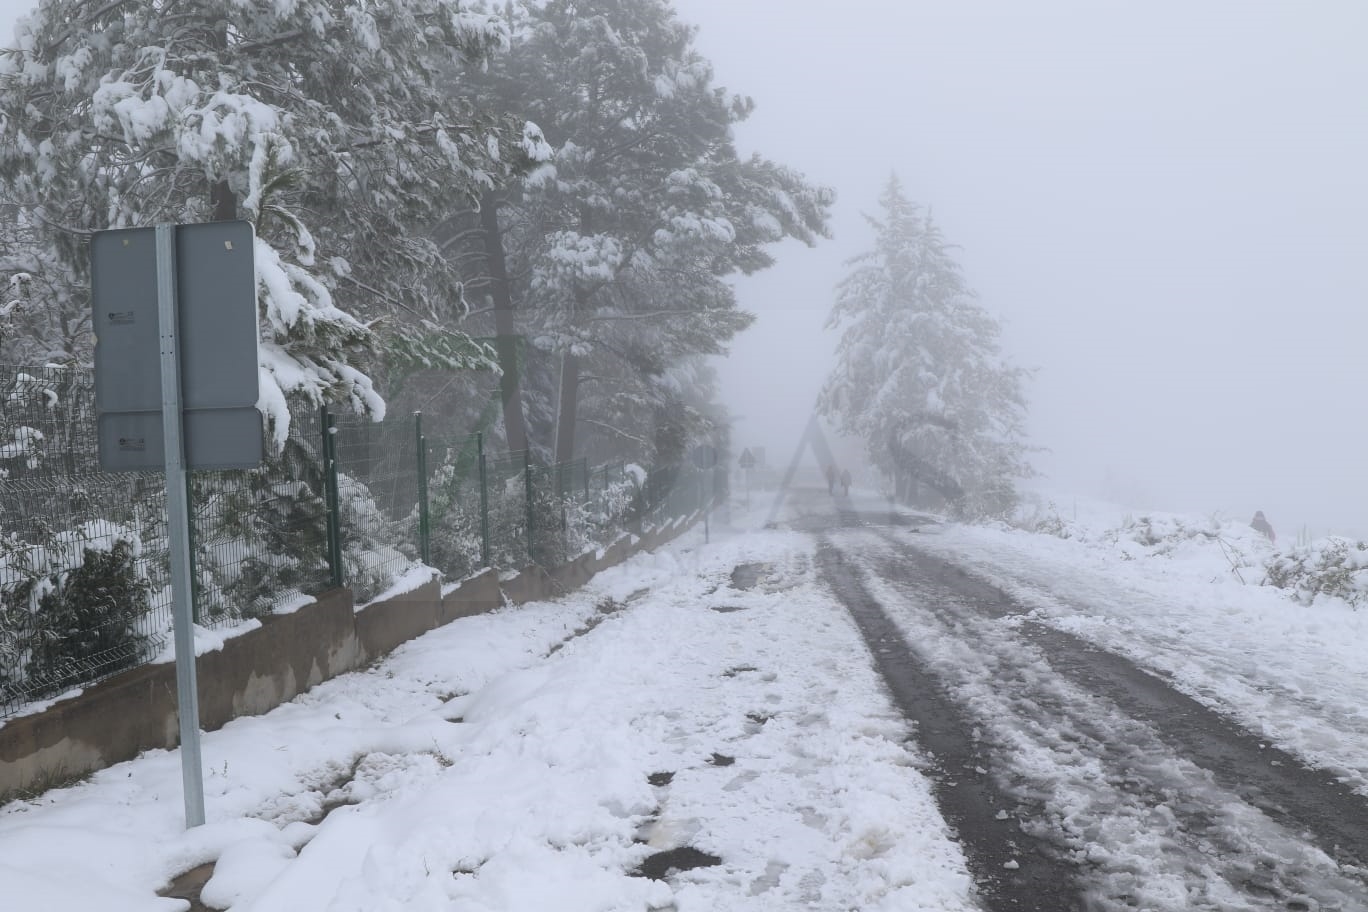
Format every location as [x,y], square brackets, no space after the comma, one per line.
[1331,567]
[1177,536]
[1205,541]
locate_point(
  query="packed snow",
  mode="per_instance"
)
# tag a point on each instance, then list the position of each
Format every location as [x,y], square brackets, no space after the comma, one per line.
[502,762]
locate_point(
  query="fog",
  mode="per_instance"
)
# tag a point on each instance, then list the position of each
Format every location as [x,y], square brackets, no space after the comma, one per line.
[1164,202]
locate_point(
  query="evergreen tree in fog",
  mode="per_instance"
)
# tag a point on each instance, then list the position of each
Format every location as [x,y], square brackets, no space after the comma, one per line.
[920,377]
[619,249]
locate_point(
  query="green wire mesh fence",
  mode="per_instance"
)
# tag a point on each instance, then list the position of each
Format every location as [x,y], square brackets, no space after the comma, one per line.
[259,536]
[84,568]
[84,555]
[377,501]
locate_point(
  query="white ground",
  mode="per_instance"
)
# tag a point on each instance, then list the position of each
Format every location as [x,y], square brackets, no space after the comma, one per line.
[538,798]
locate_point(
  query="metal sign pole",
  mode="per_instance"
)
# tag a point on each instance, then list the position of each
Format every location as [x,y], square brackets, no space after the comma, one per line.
[178,527]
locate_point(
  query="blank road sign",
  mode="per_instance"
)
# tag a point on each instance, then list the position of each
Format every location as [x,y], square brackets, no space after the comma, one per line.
[215,280]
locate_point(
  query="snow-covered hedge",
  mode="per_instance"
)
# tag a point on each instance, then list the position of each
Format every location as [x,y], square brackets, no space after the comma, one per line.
[77,600]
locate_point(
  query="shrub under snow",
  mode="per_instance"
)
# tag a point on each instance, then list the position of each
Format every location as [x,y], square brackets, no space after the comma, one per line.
[1331,566]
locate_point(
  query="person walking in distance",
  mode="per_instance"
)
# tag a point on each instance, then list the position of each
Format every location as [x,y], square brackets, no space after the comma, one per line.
[1262,525]
[831,478]
[845,482]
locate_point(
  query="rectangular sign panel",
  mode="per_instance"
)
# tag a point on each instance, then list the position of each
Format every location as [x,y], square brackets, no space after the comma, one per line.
[216,286]
[123,293]
[214,439]
[215,279]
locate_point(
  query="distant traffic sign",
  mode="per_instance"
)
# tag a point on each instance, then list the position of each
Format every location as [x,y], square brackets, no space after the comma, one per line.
[705,456]
[747,460]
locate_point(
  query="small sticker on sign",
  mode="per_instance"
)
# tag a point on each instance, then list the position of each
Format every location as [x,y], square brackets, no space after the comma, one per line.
[121,316]
[227,245]
[134,444]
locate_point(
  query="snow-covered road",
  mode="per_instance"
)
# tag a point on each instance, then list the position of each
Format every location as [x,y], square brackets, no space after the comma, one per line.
[1117,783]
[835,716]
[1290,673]
[514,762]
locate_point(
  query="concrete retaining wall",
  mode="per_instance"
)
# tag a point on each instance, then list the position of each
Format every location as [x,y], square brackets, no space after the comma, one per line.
[122,716]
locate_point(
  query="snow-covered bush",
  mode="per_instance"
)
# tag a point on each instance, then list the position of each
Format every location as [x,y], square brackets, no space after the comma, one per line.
[613,507]
[373,551]
[454,513]
[1333,566]
[1177,536]
[71,605]
[1033,514]
[26,401]
[456,536]
[1162,533]
[260,535]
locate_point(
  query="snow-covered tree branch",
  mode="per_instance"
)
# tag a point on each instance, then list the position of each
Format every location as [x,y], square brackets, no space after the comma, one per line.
[331,124]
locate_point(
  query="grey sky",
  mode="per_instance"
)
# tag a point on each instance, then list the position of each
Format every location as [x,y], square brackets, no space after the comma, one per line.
[1165,201]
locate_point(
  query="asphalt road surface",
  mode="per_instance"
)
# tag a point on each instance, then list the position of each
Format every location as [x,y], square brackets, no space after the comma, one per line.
[1074,779]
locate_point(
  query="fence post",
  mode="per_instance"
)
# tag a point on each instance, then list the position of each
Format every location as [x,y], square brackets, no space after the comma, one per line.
[527,503]
[196,595]
[332,498]
[424,519]
[637,507]
[562,484]
[484,502]
[603,502]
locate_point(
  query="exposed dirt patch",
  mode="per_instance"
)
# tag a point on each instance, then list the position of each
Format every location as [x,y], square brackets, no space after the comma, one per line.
[721,760]
[685,858]
[189,885]
[659,779]
[746,576]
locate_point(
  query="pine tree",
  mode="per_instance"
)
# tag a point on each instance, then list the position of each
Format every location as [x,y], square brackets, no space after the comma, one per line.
[321,121]
[619,248]
[920,376]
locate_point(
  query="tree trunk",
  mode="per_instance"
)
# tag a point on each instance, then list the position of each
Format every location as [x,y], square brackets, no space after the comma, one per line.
[506,342]
[566,410]
[224,201]
[567,407]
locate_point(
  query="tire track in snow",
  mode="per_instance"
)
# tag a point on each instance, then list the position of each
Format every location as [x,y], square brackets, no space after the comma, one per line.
[1277,782]
[969,800]
[1280,708]
[1101,751]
